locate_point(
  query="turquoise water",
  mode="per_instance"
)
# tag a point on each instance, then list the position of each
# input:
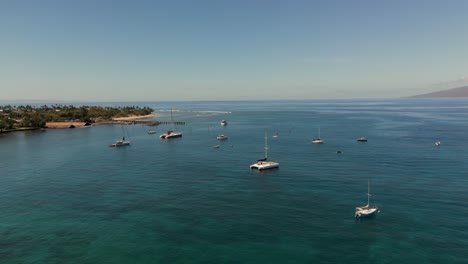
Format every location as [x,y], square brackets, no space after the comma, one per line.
[66,197]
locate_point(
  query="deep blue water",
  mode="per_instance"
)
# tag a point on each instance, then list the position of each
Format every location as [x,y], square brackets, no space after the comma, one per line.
[66,197]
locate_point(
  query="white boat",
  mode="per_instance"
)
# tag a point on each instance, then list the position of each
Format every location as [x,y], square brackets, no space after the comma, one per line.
[317,140]
[361,139]
[275,135]
[170,134]
[438,143]
[224,122]
[120,143]
[221,137]
[366,210]
[151,132]
[264,164]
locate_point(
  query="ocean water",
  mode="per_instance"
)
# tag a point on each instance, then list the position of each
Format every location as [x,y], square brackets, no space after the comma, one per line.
[66,197]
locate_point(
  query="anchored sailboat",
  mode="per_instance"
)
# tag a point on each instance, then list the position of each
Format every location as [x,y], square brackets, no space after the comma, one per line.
[120,143]
[366,210]
[317,140]
[263,164]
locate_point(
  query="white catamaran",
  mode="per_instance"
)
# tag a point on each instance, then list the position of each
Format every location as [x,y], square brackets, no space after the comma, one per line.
[171,134]
[263,164]
[366,210]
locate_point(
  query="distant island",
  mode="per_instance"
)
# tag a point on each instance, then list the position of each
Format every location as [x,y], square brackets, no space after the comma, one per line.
[19,118]
[454,92]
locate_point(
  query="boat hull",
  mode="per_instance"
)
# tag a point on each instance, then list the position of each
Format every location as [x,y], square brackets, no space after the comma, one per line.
[264,165]
[366,212]
[170,134]
[120,144]
[174,136]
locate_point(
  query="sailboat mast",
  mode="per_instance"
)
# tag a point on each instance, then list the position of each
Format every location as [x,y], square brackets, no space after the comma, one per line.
[266,145]
[368,193]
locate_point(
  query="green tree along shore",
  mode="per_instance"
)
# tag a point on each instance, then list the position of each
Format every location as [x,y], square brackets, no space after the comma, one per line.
[16,117]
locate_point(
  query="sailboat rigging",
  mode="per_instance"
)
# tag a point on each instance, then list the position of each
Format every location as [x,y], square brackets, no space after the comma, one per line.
[122,142]
[317,140]
[366,210]
[263,164]
[171,134]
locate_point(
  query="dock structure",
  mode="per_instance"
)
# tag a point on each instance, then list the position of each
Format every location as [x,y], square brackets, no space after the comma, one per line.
[170,122]
[148,122]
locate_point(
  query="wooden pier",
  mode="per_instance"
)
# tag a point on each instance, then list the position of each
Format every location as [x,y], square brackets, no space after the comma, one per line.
[148,122]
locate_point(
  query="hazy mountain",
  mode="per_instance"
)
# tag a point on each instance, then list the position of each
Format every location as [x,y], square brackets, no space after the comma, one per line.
[454,92]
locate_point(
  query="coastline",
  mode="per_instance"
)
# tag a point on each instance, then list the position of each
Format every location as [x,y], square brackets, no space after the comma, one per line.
[115,120]
[64,124]
[3,131]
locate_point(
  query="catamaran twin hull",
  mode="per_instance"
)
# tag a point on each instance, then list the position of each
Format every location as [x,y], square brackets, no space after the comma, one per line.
[170,134]
[264,165]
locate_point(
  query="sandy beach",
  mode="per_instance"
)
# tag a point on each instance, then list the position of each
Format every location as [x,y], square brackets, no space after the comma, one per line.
[64,124]
[134,117]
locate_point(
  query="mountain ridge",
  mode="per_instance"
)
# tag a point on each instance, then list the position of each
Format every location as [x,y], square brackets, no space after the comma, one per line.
[453,92]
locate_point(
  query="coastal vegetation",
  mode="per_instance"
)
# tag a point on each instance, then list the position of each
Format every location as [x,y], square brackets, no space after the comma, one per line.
[18,117]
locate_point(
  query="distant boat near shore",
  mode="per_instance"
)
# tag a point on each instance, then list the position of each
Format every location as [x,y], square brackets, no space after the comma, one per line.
[170,134]
[120,143]
[224,122]
[361,139]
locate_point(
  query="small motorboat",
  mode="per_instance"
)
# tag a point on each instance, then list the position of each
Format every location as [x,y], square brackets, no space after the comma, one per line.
[438,143]
[362,139]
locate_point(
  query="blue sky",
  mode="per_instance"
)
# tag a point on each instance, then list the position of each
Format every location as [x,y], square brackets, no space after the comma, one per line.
[230,50]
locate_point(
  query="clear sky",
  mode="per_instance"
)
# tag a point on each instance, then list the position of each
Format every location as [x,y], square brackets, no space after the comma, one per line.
[110,50]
